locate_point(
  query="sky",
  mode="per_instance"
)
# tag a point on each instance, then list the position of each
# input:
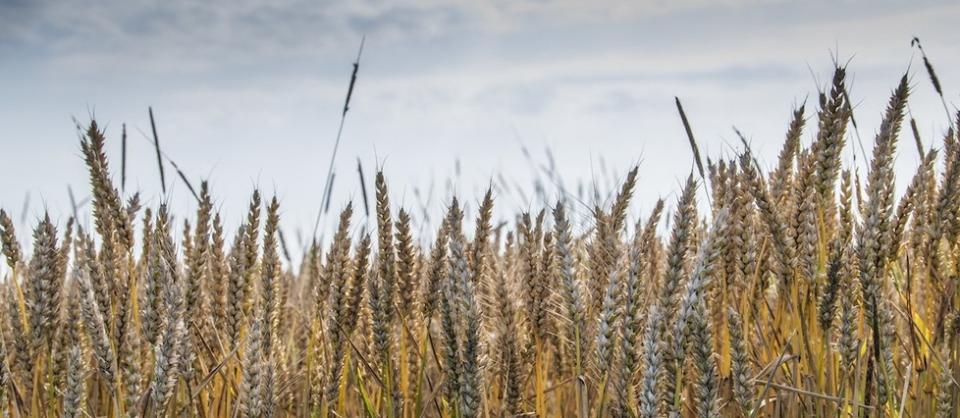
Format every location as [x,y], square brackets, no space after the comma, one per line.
[450,97]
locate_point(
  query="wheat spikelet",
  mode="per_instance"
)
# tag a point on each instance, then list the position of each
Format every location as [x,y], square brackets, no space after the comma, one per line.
[678,249]
[103,351]
[75,385]
[8,239]
[508,332]
[168,352]
[707,385]
[874,241]
[652,368]
[743,388]
[339,279]
[45,283]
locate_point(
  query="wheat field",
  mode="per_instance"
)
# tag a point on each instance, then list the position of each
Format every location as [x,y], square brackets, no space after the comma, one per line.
[803,290]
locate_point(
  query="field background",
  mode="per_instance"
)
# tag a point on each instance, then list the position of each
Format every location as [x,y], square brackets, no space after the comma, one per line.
[525,221]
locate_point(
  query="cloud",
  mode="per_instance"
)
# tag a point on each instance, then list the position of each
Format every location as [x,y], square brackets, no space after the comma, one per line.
[189,36]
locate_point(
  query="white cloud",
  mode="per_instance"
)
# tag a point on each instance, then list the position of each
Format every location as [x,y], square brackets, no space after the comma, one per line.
[187,36]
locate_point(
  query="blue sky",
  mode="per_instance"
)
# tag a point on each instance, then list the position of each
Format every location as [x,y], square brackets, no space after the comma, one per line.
[248,94]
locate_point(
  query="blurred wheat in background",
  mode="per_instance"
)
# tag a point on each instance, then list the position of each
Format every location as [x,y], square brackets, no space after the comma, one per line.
[809,289]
